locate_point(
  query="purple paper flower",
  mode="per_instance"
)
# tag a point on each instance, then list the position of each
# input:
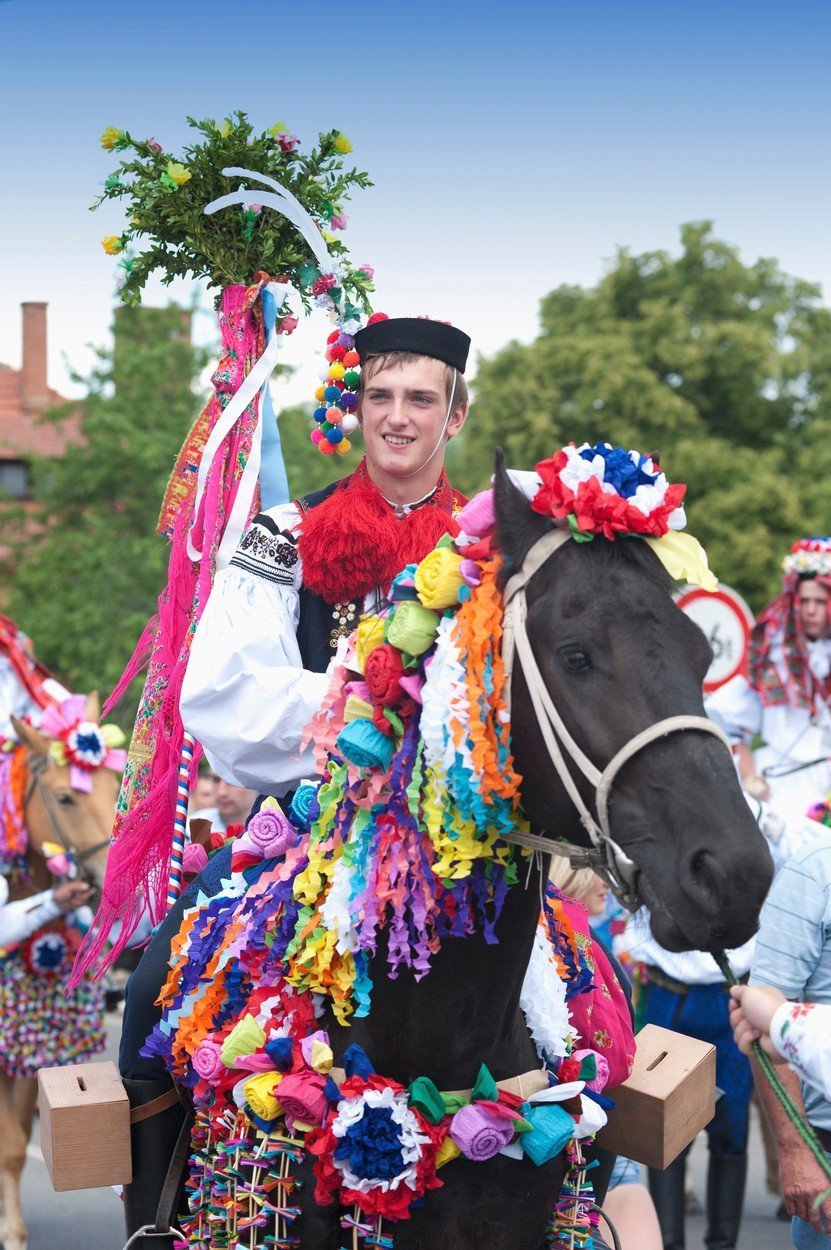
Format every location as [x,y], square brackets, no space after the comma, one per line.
[480,1134]
[271,833]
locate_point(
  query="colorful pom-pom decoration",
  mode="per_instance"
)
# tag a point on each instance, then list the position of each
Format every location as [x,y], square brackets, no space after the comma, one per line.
[337,396]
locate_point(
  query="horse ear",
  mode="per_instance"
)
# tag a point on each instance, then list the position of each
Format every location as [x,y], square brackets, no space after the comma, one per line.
[517,525]
[92,711]
[35,741]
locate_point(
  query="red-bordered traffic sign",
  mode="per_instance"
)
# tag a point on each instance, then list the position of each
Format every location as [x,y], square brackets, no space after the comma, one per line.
[726,622]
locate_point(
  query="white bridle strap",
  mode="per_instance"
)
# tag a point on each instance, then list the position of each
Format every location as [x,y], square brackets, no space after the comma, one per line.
[555,734]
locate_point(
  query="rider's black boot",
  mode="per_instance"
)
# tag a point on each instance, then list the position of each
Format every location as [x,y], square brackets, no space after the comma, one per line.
[726,1177]
[667,1189]
[153,1141]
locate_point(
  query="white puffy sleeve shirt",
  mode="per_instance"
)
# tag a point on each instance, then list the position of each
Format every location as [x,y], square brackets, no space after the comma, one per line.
[246,695]
[19,920]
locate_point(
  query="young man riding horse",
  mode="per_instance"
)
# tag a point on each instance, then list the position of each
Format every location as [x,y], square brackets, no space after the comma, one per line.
[297,585]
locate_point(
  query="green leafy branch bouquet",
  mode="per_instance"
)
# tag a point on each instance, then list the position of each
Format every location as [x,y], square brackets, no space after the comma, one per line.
[165,196]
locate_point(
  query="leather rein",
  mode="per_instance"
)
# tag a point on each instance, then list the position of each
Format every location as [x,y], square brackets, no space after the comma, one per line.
[604,856]
[37,767]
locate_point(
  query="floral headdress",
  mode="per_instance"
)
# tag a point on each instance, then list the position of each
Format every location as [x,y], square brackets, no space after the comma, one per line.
[605,490]
[780,667]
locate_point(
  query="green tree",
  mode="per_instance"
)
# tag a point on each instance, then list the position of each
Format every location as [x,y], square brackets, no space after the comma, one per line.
[91,567]
[721,367]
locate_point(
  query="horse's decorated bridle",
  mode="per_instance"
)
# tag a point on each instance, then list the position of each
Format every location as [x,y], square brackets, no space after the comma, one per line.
[604,856]
[37,767]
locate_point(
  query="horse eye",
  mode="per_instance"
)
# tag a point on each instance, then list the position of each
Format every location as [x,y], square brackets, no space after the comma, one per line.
[65,800]
[574,660]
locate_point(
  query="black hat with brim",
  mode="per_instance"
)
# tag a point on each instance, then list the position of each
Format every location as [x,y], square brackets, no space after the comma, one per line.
[418,335]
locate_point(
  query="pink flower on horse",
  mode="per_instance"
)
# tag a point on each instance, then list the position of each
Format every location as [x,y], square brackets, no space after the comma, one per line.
[80,743]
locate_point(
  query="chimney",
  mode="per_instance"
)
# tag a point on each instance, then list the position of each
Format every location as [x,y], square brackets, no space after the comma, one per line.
[34,390]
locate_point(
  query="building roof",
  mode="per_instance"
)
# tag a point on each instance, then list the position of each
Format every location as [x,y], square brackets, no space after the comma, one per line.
[24,432]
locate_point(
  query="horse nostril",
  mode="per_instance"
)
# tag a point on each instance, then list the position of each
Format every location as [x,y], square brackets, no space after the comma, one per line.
[701,881]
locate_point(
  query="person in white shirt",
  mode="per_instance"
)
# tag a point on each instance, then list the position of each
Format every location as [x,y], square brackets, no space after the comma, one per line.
[794,1033]
[784,701]
[20,919]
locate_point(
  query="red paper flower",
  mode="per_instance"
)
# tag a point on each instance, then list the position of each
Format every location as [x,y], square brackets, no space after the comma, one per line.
[383,672]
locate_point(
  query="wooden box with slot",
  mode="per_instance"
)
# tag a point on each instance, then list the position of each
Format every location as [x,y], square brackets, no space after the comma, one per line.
[666,1102]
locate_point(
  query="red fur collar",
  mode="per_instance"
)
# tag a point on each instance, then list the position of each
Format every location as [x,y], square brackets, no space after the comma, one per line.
[353,542]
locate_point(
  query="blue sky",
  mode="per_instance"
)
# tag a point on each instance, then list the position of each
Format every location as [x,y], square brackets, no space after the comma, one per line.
[513,147]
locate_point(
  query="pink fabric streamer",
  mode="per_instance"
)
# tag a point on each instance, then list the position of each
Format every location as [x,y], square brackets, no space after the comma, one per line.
[139,858]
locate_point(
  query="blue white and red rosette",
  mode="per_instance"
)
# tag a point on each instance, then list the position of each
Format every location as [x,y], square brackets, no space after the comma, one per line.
[607,490]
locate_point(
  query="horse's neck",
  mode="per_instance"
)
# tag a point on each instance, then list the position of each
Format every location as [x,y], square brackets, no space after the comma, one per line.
[464,1012]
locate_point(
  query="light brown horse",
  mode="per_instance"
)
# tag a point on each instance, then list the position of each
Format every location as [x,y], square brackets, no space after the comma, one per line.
[81,823]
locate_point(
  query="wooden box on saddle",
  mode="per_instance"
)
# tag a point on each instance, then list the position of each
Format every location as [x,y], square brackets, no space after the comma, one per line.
[666,1102]
[85,1126]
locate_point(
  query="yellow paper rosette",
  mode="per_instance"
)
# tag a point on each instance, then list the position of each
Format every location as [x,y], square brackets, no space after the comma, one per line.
[259,1094]
[438,580]
[369,636]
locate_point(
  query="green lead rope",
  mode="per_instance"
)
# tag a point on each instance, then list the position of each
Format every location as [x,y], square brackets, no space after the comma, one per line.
[771,1076]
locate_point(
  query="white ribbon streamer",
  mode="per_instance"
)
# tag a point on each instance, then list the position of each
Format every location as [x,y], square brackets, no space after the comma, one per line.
[283,202]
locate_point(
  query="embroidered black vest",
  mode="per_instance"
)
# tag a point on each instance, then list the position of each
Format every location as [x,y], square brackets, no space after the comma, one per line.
[322,624]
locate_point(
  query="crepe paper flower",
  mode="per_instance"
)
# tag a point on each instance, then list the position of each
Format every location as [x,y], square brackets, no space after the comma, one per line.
[438,579]
[281,133]
[317,1052]
[684,559]
[375,1150]
[341,143]
[606,490]
[477,518]
[448,1151]
[303,1100]
[194,859]
[338,221]
[364,745]
[280,1051]
[367,271]
[259,1094]
[245,1038]
[412,627]
[154,145]
[81,744]
[225,127]
[270,829]
[111,138]
[321,285]
[207,1061]
[112,244]
[60,865]
[47,953]
[304,797]
[551,1129]
[288,325]
[178,173]
[383,672]
[357,709]
[479,1133]
[594,1069]
[370,634]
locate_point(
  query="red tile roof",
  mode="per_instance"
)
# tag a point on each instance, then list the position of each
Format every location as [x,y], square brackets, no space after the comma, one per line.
[23,432]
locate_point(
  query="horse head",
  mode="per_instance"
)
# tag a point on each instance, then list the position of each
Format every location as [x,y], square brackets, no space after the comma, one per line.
[616,657]
[64,805]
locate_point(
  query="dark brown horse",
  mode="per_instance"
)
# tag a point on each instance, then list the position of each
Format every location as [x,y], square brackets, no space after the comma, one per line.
[616,657]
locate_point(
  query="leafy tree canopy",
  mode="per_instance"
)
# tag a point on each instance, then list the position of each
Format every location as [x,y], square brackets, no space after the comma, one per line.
[721,367]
